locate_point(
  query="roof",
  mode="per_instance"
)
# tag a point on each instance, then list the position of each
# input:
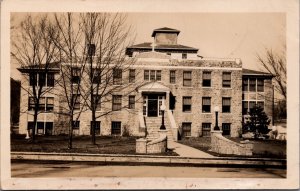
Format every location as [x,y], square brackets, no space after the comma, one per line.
[256,73]
[148,46]
[165,30]
[51,67]
[153,87]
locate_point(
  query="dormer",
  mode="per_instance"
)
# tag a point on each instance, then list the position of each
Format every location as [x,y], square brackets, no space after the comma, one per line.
[165,36]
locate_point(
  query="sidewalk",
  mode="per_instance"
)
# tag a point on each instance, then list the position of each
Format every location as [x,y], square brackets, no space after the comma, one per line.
[189,152]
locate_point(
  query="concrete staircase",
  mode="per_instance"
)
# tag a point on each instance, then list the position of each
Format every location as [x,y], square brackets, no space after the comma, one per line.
[153,124]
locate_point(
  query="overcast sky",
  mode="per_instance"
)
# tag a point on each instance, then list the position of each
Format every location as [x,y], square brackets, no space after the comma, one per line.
[221,35]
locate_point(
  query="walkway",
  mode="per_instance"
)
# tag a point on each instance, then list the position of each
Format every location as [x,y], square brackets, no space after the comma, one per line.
[186,151]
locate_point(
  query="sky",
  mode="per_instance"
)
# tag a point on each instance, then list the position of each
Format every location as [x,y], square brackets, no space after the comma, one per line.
[217,35]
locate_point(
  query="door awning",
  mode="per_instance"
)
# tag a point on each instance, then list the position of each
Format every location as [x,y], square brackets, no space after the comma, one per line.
[153,87]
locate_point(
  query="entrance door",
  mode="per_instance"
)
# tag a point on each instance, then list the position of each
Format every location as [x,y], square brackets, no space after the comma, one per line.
[152,107]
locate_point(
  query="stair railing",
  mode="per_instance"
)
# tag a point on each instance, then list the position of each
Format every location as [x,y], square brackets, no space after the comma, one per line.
[173,125]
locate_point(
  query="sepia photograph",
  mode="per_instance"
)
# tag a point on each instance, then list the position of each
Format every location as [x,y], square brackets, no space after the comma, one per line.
[111,98]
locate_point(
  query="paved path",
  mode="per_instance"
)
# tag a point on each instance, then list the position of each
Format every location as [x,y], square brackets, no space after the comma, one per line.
[186,151]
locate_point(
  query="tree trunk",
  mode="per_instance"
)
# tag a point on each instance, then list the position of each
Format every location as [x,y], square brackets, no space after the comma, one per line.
[70,131]
[35,123]
[93,127]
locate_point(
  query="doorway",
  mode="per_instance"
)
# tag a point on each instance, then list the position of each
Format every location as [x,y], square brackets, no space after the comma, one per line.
[152,103]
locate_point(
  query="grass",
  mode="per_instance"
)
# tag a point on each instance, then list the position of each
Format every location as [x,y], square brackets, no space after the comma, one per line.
[81,144]
[261,148]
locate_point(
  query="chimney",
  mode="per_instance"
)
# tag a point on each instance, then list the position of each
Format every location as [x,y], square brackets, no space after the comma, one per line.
[153,44]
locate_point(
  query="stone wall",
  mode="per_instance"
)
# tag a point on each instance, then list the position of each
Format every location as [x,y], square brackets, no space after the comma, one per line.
[129,117]
[220,144]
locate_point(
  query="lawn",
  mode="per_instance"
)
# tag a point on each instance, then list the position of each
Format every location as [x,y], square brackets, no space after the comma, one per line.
[81,144]
[261,148]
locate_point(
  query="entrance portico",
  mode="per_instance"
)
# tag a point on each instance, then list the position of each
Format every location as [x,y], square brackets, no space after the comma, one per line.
[154,93]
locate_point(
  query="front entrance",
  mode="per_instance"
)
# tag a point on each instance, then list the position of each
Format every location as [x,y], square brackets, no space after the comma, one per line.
[152,103]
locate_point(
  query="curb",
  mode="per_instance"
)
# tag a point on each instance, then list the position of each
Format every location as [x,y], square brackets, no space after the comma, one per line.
[148,159]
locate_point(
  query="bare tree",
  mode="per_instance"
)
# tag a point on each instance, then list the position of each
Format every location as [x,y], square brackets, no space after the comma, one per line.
[72,67]
[34,51]
[106,36]
[276,65]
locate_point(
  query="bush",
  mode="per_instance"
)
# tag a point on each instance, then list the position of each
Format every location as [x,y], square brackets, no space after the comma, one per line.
[258,122]
[126,131]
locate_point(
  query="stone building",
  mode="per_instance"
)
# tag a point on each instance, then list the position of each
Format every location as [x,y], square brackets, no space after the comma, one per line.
[164,73]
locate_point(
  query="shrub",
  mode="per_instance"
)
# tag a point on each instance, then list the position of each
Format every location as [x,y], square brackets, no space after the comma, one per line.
[258,122]
[126,131]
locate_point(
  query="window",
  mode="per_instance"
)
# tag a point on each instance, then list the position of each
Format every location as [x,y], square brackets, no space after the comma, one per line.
[76,125]
[76,101]
[97,102]
[184,55]
[75,75]
[261,104]
[251,105]
[152,75]
[252,84]
[42,79]
[186,129]
[146,75]
[31,103]
[116,128]
[45,104]
[172,77]
[226,79]
[42,103]
[158,75]
[187,78]
[117,102]
[206,128]
[226,102]
[91,48]
[245,107]
[131,76]
[206,82]
[186,104]
[206,104]
[96,76]
[131,102]
[260,85]
[40,128]
[97,127]
[226,128]
[117,76]
[245,84]
[49,103]
[33,79]
[50,79]
[49,128]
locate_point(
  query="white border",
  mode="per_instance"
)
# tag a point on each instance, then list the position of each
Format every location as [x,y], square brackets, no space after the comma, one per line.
[290,7]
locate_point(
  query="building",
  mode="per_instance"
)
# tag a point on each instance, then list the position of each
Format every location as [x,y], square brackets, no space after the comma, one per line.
[164,73]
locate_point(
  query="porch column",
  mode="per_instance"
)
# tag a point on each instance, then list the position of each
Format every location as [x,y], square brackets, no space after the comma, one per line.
[167,101]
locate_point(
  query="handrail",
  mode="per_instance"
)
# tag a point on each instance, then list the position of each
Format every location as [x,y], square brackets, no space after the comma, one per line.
[141,120]
[173,125]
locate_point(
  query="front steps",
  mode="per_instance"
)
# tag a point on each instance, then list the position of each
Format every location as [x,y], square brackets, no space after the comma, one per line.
[153,125]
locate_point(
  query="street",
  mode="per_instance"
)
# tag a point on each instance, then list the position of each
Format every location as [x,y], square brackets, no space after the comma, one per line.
[31,170]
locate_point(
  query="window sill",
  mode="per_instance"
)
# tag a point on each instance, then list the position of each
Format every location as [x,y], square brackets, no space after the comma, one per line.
[206,112]
[206,87]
